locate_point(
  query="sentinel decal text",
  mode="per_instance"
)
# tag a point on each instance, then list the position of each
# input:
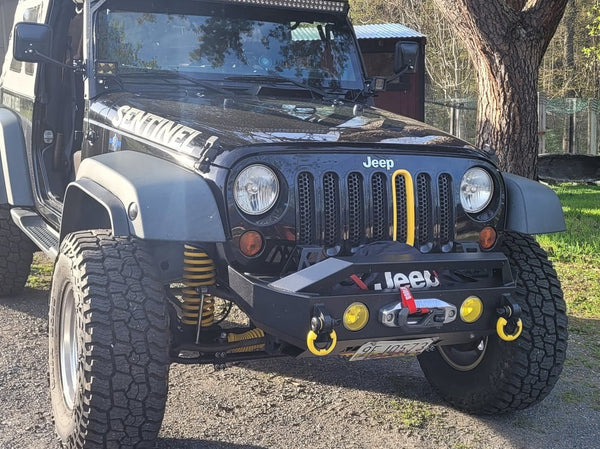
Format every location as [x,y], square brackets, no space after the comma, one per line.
[157,129]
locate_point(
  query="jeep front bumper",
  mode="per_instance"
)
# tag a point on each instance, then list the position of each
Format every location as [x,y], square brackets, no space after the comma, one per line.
[285,307]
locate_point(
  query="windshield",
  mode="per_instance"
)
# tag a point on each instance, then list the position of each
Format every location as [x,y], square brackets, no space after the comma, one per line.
[217,41]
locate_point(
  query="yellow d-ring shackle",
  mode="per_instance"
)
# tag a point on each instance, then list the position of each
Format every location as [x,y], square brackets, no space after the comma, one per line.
[501,324]
[310,342]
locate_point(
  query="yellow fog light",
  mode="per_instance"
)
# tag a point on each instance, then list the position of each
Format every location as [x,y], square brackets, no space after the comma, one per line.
[356,316]
[471,309]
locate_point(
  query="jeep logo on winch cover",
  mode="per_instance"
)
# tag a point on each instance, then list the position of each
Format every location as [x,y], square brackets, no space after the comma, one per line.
[414,279]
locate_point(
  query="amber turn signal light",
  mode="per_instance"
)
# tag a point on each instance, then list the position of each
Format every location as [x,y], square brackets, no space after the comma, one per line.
[251,243]
[487,237]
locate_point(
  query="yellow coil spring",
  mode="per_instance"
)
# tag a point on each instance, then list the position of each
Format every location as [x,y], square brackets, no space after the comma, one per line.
[249,335]
[198,271]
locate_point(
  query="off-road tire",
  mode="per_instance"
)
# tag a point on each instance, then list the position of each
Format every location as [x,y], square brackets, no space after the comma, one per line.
[106,295]
[512,375]
[16,254]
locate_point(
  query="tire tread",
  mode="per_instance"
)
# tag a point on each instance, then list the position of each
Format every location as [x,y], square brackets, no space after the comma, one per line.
[523,372]
[16,255]
[126,342]
[541,349]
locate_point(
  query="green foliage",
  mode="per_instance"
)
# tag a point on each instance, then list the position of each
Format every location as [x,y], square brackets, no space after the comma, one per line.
[581,77]
[593,51]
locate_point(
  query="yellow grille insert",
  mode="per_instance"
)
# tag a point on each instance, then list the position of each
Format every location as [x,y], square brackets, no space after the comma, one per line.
[404,214]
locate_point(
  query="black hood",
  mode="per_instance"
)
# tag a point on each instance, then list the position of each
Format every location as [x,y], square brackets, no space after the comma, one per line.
[189,123]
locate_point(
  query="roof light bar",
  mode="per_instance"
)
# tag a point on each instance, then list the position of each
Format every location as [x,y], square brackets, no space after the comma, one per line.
[312,5]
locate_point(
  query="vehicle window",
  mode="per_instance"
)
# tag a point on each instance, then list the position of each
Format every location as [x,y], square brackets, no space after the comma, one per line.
[231,43]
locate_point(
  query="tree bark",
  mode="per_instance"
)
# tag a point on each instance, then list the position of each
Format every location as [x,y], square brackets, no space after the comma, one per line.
[506,40]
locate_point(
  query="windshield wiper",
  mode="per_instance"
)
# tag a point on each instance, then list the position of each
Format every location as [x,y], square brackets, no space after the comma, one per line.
[277,79]
[172,74]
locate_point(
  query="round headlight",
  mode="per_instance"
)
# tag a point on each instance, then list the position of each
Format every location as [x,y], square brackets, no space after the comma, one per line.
[256,189]
[476,189]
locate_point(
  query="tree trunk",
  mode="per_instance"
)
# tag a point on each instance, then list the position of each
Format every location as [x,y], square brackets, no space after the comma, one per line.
[507,109]
[506,41]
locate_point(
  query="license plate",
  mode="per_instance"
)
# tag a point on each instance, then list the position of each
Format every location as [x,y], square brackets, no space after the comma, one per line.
[384,349]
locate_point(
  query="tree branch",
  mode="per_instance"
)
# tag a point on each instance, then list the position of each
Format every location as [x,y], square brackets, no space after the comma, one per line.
[482,23]
[485,24]
[544,14]
[516,5]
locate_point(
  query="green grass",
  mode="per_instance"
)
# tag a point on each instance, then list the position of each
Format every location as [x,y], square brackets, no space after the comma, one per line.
[411,414]
[40,276]
[576,252]
[581,241]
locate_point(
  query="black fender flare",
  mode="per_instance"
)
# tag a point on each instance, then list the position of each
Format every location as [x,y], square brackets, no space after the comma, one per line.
[15,182]
[532,207]
[136,194]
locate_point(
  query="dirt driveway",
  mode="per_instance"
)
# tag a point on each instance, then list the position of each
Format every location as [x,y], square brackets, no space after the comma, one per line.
[315,404]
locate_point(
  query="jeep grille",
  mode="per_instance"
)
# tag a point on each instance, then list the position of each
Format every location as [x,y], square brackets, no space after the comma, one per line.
[334,210]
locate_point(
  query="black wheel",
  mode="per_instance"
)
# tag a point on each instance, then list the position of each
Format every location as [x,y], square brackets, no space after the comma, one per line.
[109,343]
[16,253]
[491,376]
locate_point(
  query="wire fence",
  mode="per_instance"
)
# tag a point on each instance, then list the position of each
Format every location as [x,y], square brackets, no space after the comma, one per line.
[566,125]
[458,116]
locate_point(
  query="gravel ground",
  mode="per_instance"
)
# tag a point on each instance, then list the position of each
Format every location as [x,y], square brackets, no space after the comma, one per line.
[287,404]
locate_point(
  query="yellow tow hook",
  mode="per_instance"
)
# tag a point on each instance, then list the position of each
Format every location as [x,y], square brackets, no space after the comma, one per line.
[502,326]
[509,326]
[321,332]
[312,336]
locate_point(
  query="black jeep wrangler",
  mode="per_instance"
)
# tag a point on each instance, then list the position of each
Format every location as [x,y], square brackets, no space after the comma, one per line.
[180,157]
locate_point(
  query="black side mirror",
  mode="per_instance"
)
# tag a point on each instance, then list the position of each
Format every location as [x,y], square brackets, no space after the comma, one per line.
[32,42]
[406,57]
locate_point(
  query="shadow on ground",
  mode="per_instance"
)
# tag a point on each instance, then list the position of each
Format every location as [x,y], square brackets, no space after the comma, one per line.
[569,417]
[175,443]
[32,302]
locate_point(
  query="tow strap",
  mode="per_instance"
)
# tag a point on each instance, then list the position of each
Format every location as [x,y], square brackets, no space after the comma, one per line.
[408,301]
[359,282]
